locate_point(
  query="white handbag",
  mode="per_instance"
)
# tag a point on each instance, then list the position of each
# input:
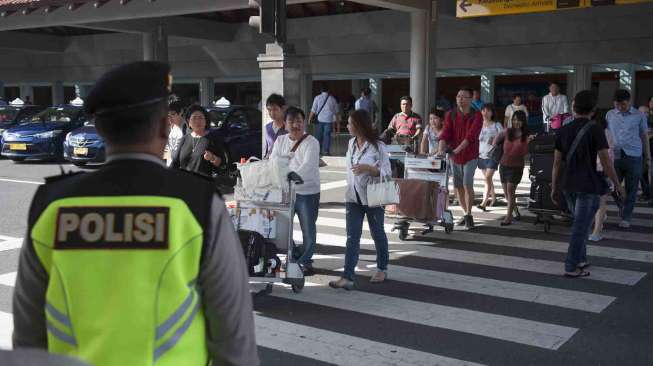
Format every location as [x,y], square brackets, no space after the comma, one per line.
[384,192]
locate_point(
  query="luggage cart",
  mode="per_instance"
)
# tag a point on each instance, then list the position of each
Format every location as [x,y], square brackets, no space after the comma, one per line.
[433,169]
[293,274]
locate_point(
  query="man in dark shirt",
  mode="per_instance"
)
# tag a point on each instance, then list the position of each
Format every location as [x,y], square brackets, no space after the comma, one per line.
[579,179]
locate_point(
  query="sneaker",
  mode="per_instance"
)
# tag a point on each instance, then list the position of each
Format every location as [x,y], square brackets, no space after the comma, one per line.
[595,237]
[342,283]
[469,221]
[378,277]
[624,224]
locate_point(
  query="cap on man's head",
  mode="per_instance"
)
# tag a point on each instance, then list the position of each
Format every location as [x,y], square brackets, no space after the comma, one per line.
[129,86]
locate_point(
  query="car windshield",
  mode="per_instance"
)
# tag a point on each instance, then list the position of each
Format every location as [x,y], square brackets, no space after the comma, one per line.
[7,114]
[56,115]
[217,117]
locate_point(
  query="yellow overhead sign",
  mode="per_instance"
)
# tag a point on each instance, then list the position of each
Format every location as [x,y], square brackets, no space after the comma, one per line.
[480,8]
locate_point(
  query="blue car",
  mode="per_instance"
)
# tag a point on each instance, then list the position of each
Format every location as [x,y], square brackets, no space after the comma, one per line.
[13,114]
[43,135]
[84,145]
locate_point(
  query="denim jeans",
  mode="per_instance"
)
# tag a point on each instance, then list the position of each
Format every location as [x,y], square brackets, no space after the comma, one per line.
[583,206]
[323,135]
[629,169]
[355,215]
[306,208]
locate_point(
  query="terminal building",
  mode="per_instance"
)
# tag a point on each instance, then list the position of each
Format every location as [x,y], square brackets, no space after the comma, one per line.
[54,50]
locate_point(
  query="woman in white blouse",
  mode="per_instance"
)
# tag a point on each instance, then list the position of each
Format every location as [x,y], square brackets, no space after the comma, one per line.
[304,152]
[366,158]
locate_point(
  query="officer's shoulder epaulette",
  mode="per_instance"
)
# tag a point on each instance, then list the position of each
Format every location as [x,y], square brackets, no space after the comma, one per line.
[56,178]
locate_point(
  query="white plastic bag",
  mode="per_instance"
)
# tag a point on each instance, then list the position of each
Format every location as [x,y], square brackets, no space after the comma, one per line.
[258,174]
[385,192]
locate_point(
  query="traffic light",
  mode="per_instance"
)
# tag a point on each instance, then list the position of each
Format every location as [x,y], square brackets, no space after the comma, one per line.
[271,19]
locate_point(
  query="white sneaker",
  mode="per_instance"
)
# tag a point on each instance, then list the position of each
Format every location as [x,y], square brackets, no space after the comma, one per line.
[595,237]
[624,224]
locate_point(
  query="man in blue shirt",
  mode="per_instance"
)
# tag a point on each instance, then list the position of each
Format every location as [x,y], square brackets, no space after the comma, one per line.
[629,131]
[366,103]
[477,102]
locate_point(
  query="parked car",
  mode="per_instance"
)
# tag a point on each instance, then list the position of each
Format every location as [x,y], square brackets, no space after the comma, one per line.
[14,113]
[84,145]
[42,136]
[240,128]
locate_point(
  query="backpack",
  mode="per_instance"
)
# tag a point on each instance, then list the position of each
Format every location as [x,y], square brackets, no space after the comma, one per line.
[260,255]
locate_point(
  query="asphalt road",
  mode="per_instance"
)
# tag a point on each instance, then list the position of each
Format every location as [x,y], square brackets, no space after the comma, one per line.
[492,295]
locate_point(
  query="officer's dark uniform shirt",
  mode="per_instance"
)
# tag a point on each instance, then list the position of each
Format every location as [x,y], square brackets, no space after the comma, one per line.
[222,278]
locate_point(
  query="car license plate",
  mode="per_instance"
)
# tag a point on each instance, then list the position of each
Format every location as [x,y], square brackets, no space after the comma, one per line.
[80,151]
[22,147]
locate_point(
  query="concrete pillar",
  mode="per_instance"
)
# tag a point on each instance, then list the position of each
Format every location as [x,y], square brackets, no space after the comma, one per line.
[627,80]
[207,89]
[280,73]
[26,91]
[376,86]
[580,79]
[155,44]
[57,93]
[422,59]
[418,60]
[487,88]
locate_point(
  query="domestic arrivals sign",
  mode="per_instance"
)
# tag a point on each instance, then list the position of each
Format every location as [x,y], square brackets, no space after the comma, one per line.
[480,8]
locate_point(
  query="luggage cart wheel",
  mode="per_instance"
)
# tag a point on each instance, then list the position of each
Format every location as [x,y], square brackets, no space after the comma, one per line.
[403,234]
[297,285]
[547,227]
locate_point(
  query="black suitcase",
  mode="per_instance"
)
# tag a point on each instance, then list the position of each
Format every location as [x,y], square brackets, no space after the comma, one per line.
[541,167]
[260,254]
[541,198]
[542,144]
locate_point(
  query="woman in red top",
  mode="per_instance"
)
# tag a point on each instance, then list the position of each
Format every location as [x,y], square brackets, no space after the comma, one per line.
[515,147]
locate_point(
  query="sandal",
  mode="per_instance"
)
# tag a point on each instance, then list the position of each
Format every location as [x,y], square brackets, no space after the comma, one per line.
[577,273]
[342,283]
[378,277]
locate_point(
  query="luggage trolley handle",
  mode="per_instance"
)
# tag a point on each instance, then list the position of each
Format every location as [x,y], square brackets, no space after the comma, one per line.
[293,270]
[295,178]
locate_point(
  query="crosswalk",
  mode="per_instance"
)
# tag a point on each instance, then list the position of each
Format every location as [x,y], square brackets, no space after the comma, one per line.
[472,297]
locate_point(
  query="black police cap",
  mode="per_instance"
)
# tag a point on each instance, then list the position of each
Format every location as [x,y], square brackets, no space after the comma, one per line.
[129,86]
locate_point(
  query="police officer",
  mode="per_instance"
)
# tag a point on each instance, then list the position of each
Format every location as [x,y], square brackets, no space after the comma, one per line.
[133,264]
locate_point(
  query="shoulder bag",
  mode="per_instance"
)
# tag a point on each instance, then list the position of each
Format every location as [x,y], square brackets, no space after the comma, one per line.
[383,192]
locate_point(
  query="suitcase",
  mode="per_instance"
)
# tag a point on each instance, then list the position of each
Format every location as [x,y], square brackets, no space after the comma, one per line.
[541,198]
[541,167]
[418,199]
[542,144]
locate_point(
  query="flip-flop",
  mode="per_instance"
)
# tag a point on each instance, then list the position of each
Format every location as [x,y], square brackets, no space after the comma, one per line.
[580,273]
[583,265]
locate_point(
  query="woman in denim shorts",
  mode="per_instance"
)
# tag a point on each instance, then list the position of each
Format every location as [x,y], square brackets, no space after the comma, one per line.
[487,139]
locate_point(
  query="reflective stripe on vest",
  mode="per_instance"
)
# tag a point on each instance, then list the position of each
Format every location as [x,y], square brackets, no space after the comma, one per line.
[122,280]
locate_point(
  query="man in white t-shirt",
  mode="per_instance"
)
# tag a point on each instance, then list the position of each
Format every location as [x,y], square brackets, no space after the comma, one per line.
[177,130]
[516,105]
[553,104]
[304,152]
[326,109]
